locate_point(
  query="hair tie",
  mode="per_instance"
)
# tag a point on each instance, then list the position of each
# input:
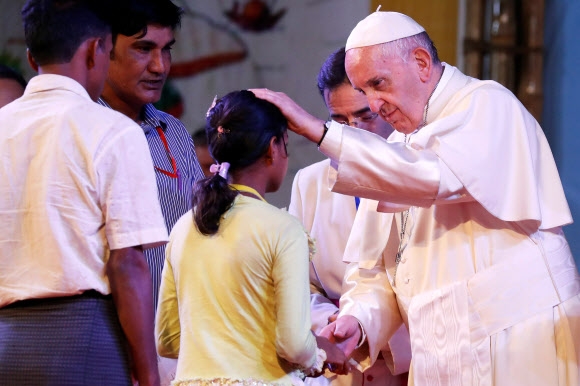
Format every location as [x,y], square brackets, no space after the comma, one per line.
[221,130]
[222,169]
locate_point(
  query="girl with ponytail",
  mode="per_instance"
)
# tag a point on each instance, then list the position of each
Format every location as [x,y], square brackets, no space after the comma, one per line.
[234,298]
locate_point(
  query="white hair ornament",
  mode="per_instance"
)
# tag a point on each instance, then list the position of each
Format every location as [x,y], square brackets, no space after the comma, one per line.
[221,169]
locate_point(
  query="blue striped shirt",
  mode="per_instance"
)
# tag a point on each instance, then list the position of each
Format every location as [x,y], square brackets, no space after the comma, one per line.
[175,196]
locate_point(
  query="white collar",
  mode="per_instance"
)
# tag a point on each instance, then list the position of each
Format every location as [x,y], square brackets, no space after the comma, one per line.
[447,74]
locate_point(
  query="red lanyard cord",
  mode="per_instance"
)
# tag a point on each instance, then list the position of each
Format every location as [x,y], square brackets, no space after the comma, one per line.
[175,173]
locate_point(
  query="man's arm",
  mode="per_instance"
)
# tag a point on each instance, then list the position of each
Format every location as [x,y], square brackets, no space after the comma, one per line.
[130,283]
[167,324]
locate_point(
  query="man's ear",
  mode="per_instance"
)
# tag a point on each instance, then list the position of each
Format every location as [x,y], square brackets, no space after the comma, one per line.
[94,46]
[424,63]
[31,61]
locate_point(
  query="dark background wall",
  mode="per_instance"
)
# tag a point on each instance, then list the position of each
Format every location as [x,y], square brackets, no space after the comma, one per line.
[562,102]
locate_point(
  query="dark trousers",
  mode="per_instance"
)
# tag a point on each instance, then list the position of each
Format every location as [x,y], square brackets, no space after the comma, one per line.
[74,340]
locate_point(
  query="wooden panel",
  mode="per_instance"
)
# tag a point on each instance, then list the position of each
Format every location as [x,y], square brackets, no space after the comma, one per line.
[439,18]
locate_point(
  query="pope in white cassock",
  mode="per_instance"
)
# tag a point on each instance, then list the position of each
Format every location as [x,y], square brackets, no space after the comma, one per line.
[472,258]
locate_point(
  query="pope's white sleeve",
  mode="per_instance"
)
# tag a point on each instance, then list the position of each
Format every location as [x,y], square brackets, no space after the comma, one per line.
[368,296]
[367,165]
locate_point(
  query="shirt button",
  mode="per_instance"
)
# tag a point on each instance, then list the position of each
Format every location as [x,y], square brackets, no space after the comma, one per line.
[403,260]
[370,378]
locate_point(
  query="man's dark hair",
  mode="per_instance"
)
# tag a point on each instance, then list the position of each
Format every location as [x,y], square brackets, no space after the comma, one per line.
[332,73]
[54,29]
[135,15]
[10,73]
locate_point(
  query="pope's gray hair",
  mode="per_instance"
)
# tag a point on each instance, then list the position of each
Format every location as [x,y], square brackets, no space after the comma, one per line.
[403,48]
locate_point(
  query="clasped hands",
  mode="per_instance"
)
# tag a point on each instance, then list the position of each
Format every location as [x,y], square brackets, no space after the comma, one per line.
[339,339]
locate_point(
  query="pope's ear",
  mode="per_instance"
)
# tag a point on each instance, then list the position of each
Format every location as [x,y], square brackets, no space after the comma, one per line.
[424,63]
[93,48]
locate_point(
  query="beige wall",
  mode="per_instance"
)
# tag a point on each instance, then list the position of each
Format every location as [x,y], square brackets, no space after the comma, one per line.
[438,17]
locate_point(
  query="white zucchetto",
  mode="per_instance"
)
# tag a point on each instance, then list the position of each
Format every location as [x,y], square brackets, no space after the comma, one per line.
[382,27]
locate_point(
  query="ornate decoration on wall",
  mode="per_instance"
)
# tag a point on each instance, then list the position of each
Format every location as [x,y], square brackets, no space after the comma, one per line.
[191,22]
[254,15]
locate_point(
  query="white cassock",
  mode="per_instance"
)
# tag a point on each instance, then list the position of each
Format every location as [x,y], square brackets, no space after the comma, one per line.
[329,217]
[487,284]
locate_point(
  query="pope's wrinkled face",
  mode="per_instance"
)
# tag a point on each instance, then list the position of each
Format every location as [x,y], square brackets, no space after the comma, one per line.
[394,89]
[349,106]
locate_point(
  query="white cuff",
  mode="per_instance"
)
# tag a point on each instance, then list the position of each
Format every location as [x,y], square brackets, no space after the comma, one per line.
[315,369]
[363,335]
[330,146]
[318,364]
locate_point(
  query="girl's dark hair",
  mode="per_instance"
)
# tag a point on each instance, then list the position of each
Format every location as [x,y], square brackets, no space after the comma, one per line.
[239,129]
